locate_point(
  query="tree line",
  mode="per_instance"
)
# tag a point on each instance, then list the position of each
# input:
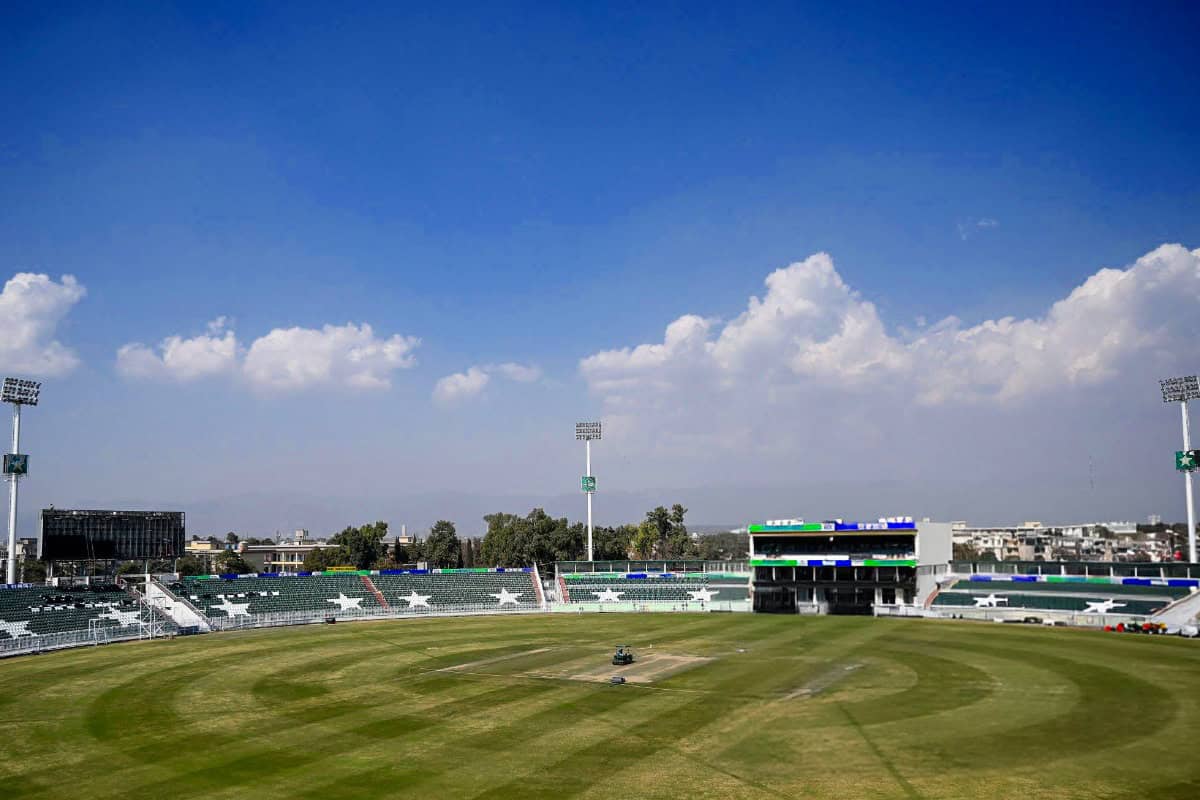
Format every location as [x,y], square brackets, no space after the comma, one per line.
[510,540]
[535,538]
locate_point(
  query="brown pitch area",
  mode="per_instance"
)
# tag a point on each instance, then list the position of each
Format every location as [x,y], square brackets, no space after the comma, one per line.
[648,668]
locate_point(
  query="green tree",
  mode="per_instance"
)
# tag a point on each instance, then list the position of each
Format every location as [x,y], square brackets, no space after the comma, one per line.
[442,547]
[536,538]
[33,570]
[361,547]
[400,553]
[322,558]
[644,540]
[679,542]
[130,568]
[231,538]
[501,542]
[190,565]
[386,561]
[230,562]
[722,546]
[671,539]
[660,520]
[416,551]
[612,544]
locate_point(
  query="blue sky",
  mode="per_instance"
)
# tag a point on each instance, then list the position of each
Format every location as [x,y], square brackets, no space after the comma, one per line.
[532,186]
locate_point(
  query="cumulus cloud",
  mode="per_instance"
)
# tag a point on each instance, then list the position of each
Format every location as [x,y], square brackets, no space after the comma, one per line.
[521,373]
[32,305]
[810,367]
[350,355]
[285,359]
[214,352]
[461,386]
[810,328]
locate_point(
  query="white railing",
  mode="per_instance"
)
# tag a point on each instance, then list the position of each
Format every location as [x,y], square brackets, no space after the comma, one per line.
[79,638]
[1048,616]
[310,617]
[901,610]
[656,606]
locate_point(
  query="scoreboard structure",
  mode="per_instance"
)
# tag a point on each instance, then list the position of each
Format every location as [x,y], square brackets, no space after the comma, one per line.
[89,535]
[840,567]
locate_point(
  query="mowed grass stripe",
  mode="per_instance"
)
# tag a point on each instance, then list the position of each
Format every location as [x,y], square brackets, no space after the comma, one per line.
[597,744]
[275,702]
[333,736]
[352,699]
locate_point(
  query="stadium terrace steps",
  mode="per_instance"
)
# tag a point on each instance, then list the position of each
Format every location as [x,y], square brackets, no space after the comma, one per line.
[447,590]
[340,593]
[248,595]
[1145,589]
[1139,598]
[42,610]
[640,587]
[1050,602]
[366,579]
[1184,611]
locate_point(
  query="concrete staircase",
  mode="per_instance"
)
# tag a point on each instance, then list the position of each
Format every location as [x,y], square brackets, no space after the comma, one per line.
[1182,612]
[180,610]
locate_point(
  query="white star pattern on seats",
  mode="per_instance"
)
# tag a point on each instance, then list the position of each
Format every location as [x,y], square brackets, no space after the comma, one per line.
[506,596]
[415,599]
[1102,606]
[703,595]
[16,629]
[122,617]
[344,603]
[608,596]
[233,609]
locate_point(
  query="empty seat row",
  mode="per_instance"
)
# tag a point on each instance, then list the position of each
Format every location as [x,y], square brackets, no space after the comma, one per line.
[1072,587]
[353,593]
[1049,602]
[41,610]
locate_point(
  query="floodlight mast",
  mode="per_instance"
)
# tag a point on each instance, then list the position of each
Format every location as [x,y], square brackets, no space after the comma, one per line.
[587,431]
[19,393]
[1181,390]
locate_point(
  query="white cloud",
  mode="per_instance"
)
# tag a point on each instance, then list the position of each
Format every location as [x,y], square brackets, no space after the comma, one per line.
[460,386]
[812,343]
[349,355]
[285,359]
[212,353]
[971,225]
[521,373]
[31,306]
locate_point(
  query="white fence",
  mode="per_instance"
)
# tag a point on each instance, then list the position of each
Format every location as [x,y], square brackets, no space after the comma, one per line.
[81,638]
[282,618]
[652,606]
[1047,616]
[899,610]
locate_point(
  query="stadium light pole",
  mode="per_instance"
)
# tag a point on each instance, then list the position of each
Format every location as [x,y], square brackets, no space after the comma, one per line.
[20,393]
[588,431]
[1180,390]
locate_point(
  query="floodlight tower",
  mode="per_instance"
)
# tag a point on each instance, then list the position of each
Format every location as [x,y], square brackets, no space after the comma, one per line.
[1180,390]
[19,393]
[587,431]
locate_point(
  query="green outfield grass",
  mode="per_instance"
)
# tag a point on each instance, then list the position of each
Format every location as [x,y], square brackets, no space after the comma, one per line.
[487,707]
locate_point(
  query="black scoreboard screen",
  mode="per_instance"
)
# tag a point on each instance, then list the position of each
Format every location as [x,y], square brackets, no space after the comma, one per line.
[74,535]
